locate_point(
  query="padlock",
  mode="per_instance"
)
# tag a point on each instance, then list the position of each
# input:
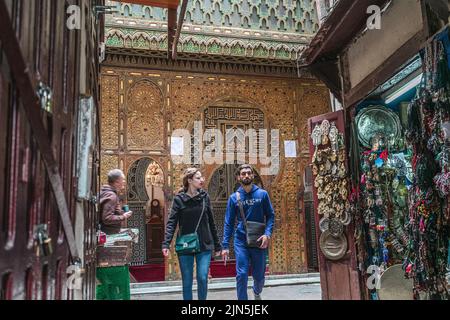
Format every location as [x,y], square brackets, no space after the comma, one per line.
[47,247]
[37,248]
[43,244]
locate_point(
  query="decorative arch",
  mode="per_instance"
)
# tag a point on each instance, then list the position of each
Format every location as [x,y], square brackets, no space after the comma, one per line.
[213,46]
[237,101]
[146,12]
[128,41]
[127,10]
[143,177]
[214,190]
[141,41]
[221,185]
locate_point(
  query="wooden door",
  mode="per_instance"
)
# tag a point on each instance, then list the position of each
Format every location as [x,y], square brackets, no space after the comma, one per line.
[155,233]
[155,236]
[339,279]
[43,43]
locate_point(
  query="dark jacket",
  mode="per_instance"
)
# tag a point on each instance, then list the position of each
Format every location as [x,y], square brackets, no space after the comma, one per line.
[185,214]
[111,215]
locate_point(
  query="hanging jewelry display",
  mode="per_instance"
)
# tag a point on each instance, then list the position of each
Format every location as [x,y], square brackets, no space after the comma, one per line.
[383,206]
[331,183]
[428,227]
[375,194]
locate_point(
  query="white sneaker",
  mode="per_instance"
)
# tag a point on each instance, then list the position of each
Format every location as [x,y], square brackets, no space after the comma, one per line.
[257,296]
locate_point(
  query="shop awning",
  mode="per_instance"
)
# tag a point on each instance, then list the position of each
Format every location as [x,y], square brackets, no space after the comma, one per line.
[347,19]
[174,25]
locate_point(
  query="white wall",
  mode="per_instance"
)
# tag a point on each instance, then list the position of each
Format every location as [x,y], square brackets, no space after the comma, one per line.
[401,22]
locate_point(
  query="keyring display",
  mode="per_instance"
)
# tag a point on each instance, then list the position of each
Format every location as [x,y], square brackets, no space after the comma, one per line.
[331,182]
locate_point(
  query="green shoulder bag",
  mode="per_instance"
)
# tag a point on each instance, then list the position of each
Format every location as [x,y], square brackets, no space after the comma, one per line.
[189,243]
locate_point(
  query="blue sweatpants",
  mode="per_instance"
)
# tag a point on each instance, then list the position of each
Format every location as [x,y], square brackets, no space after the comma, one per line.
[246,257]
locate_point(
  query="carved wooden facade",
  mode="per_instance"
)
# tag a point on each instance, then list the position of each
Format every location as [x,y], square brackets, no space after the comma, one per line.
[142,107]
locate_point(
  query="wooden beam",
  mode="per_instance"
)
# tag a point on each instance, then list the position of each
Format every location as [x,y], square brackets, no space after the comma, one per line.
[393,64]
[347,19]
[179,27]
[31,105]
[172,24]
[387,70]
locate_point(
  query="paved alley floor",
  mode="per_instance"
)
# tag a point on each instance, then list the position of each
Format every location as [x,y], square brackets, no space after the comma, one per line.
[292,292]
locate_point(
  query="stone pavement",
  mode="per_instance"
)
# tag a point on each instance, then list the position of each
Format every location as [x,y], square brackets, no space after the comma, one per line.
[293,287]
[297,292]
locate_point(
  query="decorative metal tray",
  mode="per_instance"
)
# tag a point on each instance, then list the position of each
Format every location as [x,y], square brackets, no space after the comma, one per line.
[375,120]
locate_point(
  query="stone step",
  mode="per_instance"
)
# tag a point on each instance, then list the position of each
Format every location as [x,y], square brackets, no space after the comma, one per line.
[223,284]
[220,280]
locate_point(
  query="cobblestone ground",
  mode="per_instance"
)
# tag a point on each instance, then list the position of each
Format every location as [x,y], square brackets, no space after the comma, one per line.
[294,292]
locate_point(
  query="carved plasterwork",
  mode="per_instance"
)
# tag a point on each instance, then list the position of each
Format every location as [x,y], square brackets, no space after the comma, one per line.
[313,101]
[275,30]
[183,98]
[145,124]
[108,163]
[110,111]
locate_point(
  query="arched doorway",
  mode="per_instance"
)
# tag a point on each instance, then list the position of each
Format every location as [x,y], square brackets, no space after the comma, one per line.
[221,186]
[145,196]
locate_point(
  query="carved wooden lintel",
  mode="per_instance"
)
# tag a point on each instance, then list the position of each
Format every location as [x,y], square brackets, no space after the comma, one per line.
[206,64]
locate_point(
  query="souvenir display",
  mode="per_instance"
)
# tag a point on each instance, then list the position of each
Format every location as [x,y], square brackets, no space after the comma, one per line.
[331,183]
[383,203]
[428,225]
[403,214]
[400,187]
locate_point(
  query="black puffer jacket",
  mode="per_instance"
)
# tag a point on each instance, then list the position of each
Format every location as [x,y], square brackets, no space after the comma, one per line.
[185,214]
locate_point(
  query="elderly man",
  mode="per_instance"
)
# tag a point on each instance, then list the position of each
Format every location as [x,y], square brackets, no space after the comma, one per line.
[112,214]
[113,283]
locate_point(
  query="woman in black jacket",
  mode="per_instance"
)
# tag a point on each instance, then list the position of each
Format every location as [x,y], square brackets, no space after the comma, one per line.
[192,207]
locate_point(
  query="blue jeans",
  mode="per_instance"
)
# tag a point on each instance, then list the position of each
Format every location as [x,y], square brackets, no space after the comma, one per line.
[244,258]
[203,260]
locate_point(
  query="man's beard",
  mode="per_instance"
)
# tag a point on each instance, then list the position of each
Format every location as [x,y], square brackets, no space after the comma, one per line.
[247,182]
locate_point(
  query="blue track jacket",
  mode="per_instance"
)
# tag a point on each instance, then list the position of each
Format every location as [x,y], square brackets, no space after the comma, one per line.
[257,206]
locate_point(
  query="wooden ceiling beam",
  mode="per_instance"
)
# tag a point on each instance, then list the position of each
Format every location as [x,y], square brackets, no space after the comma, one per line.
[171,31]
[179,27]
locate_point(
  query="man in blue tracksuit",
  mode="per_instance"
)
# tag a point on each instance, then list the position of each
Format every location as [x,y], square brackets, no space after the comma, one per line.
[257,207]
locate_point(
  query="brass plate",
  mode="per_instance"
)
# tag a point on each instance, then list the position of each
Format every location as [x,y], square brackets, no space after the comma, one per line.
[378,119]
[333,248]
[394,286]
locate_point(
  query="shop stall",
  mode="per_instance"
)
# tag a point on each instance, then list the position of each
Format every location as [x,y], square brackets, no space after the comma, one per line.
[381,165]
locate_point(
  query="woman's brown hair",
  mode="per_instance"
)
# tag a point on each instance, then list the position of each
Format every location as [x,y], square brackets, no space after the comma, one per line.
[188,174]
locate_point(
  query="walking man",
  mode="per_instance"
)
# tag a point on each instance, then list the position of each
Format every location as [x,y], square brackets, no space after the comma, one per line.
[256,207]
